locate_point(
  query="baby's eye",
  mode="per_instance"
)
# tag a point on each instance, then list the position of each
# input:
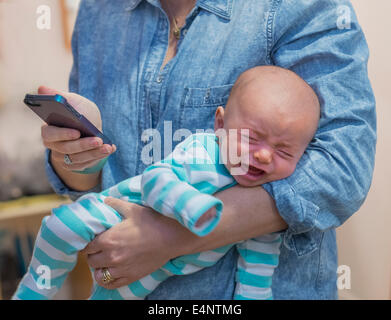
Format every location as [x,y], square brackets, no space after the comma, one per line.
[249,140]
[285,154]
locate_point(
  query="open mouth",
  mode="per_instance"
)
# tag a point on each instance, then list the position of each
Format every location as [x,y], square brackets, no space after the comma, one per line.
[249,172]
[255,171]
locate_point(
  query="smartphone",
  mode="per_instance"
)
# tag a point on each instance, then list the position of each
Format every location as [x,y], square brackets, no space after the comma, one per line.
[56,111]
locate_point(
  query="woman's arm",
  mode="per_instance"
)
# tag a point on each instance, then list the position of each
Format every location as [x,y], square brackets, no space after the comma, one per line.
[248,212]
[60,141]
[75,181]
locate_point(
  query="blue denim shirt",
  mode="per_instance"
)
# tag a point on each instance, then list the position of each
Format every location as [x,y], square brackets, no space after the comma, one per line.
[118,49]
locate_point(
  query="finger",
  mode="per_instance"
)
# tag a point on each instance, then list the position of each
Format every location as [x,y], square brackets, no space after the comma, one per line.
[48,91]
[114,272]
[72,98]
[79,166]
[78,162]
[98,260]
[94,247]
[59,158]
[81,151]
[75,146]
[115,284]
[121,206]
[53,134]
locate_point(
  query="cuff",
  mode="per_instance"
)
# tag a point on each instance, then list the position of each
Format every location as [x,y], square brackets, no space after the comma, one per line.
[58,186]
[300,215]
[194,208]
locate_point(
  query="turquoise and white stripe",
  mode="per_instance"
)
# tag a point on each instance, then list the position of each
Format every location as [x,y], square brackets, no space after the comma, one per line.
[180,187]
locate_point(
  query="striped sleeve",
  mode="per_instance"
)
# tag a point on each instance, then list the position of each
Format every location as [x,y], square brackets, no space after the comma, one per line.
[181,186]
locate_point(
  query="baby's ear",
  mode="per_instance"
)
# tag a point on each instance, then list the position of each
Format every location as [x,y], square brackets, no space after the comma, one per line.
[219,118]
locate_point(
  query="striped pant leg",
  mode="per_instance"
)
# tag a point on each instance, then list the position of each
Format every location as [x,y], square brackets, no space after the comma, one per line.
[258,257]
[182,265]
[62,235]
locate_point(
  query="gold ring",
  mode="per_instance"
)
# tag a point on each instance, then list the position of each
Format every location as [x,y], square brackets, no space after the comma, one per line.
[107,277]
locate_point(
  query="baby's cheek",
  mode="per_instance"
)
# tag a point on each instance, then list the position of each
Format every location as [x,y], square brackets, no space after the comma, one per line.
[285,169]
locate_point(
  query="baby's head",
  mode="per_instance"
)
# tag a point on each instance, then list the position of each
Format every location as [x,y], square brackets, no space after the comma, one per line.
[280,111]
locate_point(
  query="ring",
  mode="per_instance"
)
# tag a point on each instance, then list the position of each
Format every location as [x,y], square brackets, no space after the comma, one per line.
[107,278]
[67,159]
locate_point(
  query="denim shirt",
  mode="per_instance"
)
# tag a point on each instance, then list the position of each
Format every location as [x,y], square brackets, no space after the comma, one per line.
[118,48]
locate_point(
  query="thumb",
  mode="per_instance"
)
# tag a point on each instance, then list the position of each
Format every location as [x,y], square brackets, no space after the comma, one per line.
[73,99]
[47,90]
[82,105]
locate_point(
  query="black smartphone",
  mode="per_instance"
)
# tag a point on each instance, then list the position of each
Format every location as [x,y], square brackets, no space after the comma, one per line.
[56,111]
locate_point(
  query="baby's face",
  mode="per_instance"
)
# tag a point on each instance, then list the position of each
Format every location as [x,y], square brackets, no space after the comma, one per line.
[267,140]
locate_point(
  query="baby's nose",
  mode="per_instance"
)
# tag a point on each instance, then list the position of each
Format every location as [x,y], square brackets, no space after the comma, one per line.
[263,156]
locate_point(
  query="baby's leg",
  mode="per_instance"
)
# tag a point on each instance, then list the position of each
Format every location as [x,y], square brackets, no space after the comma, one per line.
[179,266]
[258,257]
[62,235]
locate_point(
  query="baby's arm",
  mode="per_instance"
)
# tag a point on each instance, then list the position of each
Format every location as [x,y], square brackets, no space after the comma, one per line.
[181,186]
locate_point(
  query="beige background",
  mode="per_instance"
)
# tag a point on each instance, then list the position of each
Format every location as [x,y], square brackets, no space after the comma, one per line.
[365,239]
[30,57]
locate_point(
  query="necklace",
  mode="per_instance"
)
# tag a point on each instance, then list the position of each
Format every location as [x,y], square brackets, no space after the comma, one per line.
[177,30]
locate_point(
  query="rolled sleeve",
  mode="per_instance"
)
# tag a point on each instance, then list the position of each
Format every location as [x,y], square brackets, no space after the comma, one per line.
[333,177]
[58,186]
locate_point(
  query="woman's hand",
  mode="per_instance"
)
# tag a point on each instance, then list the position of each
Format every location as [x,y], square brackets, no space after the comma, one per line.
[142,243]
[83,152]
[145,240]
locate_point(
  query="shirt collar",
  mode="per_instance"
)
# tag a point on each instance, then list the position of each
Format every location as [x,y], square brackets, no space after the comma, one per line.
[221,8]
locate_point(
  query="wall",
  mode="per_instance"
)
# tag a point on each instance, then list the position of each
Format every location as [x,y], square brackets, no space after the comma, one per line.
[365,240]
[29,57]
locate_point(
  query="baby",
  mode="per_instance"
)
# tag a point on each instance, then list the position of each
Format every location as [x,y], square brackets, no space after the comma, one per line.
[269,120]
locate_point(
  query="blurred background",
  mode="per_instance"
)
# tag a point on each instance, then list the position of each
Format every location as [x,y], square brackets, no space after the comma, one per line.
[35,51]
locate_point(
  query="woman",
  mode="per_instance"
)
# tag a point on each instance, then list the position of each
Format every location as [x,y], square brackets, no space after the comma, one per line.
[145,63]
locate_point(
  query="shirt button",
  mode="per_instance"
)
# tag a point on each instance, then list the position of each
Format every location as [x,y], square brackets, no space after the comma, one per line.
[184,32]
[207,95]
[159,79]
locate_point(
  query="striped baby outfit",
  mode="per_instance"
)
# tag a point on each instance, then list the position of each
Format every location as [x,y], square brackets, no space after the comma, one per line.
[180,187]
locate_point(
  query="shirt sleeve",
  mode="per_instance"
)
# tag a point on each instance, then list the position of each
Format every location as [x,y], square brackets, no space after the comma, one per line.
[55,181]
[181,186]
[333,177]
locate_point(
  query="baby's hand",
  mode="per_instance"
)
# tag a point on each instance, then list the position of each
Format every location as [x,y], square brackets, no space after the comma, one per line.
[208,215]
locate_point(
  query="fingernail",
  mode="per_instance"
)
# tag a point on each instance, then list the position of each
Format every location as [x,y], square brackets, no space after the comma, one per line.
[108,199]
[96,143]
[106,149]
